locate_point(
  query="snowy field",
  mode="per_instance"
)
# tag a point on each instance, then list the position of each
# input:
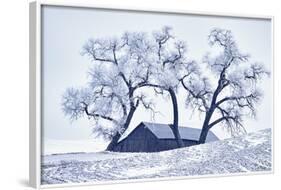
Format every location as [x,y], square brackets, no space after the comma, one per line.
[249,153]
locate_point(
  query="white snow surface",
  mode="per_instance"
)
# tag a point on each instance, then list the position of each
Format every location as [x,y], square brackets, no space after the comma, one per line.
[248,153]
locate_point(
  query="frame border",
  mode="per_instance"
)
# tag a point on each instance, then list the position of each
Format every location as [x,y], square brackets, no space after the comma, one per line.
[34,94]
[35,84]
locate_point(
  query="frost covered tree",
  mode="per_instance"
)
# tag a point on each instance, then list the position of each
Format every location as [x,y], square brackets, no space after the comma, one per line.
[120,68]
[172,65]
[230,91]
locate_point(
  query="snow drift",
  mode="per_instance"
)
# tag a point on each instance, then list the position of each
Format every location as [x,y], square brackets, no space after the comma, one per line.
[249,153]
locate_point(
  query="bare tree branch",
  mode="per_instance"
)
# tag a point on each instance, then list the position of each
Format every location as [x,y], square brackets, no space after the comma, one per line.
[235,94]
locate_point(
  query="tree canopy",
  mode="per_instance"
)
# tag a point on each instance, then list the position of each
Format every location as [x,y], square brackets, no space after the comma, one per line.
[121,66]
[230,92]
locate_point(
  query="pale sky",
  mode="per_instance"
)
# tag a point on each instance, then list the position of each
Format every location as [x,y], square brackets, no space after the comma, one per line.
[65,30]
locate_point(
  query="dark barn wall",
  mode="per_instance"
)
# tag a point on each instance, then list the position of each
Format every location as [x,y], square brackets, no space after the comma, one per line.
[140,140]
[190,142]
[168,144]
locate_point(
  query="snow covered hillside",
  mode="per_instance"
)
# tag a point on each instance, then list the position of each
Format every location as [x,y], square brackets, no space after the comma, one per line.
[249,153]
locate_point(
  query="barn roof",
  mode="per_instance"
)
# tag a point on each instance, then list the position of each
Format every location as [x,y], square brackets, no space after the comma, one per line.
[163,131]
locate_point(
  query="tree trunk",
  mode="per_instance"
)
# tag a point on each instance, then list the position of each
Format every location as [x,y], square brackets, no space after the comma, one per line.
[206,128]
[203,135]
[209,113]
[175,126]
[113,142]
[117,136]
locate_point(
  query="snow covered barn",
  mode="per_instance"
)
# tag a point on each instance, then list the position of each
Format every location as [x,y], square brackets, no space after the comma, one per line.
[155,137]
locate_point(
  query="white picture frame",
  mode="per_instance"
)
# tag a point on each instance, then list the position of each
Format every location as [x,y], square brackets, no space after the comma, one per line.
[35,98]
